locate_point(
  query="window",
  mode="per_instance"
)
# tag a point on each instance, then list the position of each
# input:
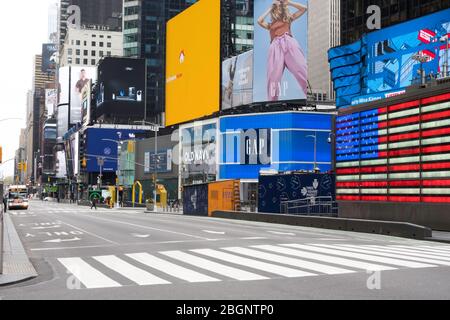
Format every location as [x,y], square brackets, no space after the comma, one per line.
[94,36]
[101,54]
[72,42]
[93,62]
[109,37]
[93,53]
[78,42]
[85,62]
[102,36]
[108,53]
[78,52]
[94,43]
[70,51]
[85,52]
[69,60]
[109,45]
[101,44]
[85,43]
[77,61]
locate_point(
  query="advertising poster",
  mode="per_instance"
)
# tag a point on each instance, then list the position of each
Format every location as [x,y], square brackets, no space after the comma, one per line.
[62,120]
[51,99]
[86,103]
[280,50]
[122,84]
[394,52]
[49,57]
[193,63]
[80,77]
[237,81]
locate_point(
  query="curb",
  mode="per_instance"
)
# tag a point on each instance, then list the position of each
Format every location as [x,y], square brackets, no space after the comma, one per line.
[17,265]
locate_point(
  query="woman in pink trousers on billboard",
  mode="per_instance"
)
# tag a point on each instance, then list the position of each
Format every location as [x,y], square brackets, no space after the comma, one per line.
[284,51]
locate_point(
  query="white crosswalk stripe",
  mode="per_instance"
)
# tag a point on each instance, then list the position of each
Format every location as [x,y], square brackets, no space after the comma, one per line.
[245,264]
[171,269]
[432,249]
[424,250]
[289,261]
[254,264]
[328,259]
[129,271]
[396,262]
[230,272]
[90,277]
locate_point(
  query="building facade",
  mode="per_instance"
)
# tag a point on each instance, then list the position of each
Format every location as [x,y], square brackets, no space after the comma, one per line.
[85,47]
[144,28]
[324,33]
[354,14]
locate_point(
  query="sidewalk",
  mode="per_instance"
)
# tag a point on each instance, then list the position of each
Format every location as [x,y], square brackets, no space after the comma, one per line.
[440,236]
[16,265]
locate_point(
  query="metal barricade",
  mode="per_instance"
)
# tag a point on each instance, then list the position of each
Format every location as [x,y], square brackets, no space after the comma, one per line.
[317,206]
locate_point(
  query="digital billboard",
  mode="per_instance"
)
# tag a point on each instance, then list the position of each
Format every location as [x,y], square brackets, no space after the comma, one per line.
[237,81]
[49,57]
[280,50]
[384,63]
[62,120]
[193,63]
[71,83]
[51,99]
[121,87]
[86,111]
[393,52]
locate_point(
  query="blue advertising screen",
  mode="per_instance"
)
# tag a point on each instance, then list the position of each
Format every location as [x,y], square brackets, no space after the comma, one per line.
[276,141]
[100,144]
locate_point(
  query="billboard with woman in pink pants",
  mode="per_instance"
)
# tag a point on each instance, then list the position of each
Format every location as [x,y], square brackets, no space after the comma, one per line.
[280,50]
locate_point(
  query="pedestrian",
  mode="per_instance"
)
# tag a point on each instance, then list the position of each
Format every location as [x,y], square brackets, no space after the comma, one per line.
[5,203]
[94,203]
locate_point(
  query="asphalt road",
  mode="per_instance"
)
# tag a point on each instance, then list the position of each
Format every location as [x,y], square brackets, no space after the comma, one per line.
[104,254]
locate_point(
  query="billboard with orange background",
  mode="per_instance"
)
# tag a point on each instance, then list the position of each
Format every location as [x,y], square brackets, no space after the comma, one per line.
[193,63]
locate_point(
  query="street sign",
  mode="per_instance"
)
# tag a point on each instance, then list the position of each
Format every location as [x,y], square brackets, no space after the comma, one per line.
[101,162]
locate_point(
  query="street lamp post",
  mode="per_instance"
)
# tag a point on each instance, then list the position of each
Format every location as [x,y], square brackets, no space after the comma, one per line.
[315,150]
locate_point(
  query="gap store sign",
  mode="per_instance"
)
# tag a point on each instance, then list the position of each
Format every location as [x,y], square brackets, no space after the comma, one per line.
[284,141]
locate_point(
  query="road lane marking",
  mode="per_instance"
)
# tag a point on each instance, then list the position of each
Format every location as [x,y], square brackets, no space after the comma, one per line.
[343,253]
[214,232]
[254,264]
[303,264]
[407,252]
[282,233]
[434,250]
[62,240]
[135,274]
[90,277]
[328,259]
[141,236]
[72,248]
[171,269]
[92,234]
[221,269]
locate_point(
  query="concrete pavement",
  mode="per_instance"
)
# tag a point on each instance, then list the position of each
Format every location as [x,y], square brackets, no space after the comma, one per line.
[109,254]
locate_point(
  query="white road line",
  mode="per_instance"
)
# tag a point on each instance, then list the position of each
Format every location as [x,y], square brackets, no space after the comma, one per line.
[72,248]
[328,259]
[254,264]
[316,267]
[432,249]
[214,232]
[423,250]
[254,238]
[395,254]
[90,277]
[329,249]
[409,252]
[139,276]
[441,249]
[148,228]
[171,269]
[282,233]
[221,269]
[92,234]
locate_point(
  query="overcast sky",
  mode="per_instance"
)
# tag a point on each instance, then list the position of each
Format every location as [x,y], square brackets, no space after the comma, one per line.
[24,27]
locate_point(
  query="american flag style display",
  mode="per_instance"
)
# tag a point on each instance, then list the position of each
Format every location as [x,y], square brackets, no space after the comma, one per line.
[396,153]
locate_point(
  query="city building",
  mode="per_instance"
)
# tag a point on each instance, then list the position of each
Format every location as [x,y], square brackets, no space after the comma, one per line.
[354,14]
[52,29]
[99,14]
[323,34]
[20,160]
[85,47]
[144,28]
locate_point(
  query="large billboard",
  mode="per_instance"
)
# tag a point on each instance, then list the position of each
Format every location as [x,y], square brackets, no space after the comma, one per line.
[51,100]
[393,52]
[193,63]
[121,87]
[237,81]
[49,57]
[280,50]
[71,83]
[384,63]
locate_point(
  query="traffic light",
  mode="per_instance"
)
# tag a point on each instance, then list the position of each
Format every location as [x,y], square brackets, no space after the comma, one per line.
[20,166]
